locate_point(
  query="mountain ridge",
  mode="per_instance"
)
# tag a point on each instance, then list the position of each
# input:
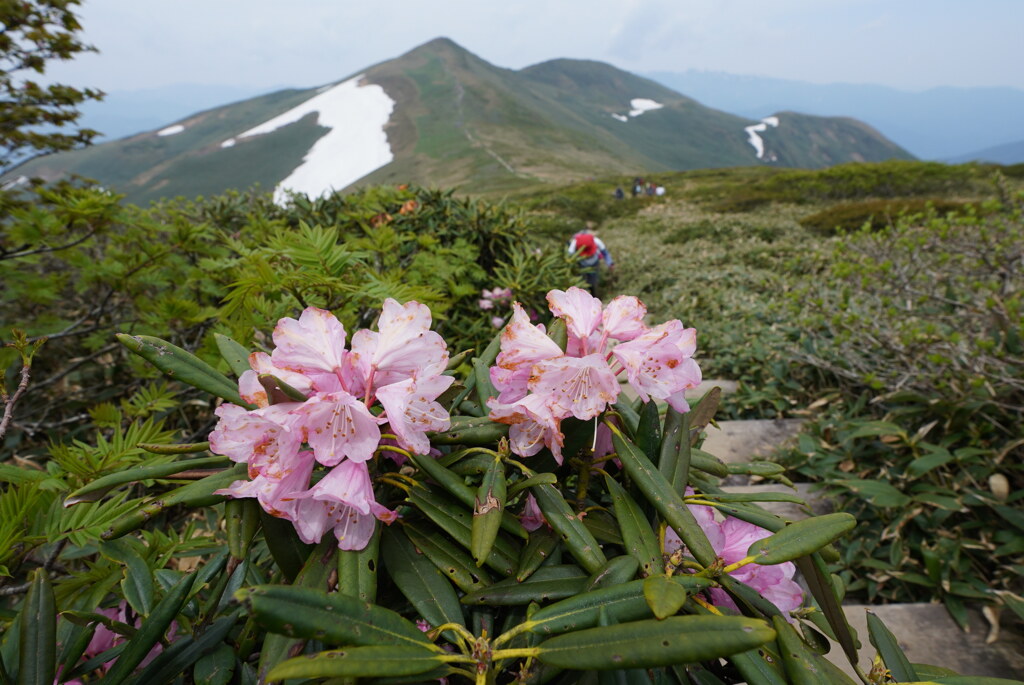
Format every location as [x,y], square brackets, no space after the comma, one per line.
[455,120]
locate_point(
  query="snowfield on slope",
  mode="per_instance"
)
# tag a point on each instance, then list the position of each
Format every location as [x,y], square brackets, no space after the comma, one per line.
[355,146]
[171,130]
[755,139]
[639,105]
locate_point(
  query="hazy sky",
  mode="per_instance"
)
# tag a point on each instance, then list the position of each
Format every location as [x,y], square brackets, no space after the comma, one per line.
[908,44]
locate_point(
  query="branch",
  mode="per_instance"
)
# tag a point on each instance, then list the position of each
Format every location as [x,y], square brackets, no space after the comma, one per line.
[10,400]
[41,250]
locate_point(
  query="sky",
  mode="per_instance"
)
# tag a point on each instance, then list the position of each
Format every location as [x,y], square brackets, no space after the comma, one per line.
[255,44]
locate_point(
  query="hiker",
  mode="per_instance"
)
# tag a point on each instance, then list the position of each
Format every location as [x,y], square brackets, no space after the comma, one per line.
[590,250]
[619,195]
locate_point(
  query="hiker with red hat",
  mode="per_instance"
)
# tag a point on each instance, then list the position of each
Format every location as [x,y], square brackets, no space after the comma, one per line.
[590,250]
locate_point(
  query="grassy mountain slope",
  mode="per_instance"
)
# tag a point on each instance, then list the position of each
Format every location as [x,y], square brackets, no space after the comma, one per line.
[462,122]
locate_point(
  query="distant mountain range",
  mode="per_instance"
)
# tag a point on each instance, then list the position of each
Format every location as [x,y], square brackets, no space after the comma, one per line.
[940,123]
[441,116]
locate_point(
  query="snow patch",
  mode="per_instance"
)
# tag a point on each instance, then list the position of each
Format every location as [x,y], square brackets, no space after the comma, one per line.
[755,139]
[230,142]
[355,146]
[171,130]
[641,105]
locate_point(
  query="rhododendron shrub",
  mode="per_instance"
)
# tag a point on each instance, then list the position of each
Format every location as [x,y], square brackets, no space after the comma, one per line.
[385,517]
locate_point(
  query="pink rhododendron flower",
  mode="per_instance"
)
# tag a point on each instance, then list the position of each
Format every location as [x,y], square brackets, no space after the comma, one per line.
[314,343]
[731,539]
[497,321]
[395,371]
[412,411]
[485,303]
[533,425]
[582,387]
[338,426]
[253,392]
[581,382]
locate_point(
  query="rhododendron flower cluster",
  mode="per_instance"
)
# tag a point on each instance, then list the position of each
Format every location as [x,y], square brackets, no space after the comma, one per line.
[539,385]
[731,538]
[390,377]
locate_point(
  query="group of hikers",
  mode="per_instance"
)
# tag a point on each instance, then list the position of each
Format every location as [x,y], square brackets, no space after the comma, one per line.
[641,187]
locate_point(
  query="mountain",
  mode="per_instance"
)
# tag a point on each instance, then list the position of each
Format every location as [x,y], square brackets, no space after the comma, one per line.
[441,116]
[940,123]
[1009,153]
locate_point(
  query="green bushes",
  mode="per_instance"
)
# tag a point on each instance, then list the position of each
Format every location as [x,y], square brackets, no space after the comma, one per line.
[876,214]
[923,322]
[855,181]
[79,266]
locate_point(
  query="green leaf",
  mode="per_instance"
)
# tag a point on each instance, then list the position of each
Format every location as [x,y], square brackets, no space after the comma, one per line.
[538,549]
[471,431]
[448,558]
[666,500]
[241,523]
[151,631]
[547,583]
[184,652]
[872,429]
[216,668]
[877,492]
[313,575]
[100,486]
[581,543]
[455,486]
[653,643]
[804,666]
[37,664]
[457,522]
[663,596]
[488,508]
[801,538]
[818,581]
[180,365]
[637,536]
[138,578]
[334,617]
[616,571]
[625,602]
[360,662]
[648,430]
[675,445]
[233,353]
[289,552]
[759,667]
[197,494]
[884,641]
[426,588]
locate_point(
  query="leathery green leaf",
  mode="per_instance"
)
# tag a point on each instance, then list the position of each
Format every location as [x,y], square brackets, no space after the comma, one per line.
[884,641]
[357,569]
[624,602]
[138,579]
[653,643]
[37,663]
[816,575]
[449,559]
[804,666]
[360,662]
[663,596]
[560,516]
[457,522]
[548,583]
[184,366]
[616,571]
[640,541]
[666,500]
[233,353]
[313,575]
[99,487]
[648,430]
[151,630]
[334,617]
[801,538]
[539,547]
[420,581]
[488,508]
